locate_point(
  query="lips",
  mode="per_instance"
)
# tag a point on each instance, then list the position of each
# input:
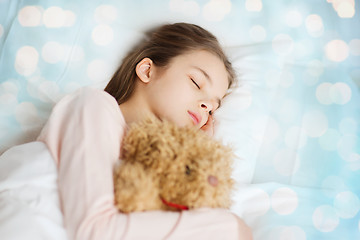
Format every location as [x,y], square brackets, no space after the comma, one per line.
[195,117]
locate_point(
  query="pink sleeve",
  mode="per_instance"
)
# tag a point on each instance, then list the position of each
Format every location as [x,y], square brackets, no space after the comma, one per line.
[84,134]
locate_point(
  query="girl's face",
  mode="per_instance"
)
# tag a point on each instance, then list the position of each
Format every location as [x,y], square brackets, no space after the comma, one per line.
[189,89]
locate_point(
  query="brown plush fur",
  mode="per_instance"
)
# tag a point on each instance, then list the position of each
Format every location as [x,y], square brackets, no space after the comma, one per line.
[161,160]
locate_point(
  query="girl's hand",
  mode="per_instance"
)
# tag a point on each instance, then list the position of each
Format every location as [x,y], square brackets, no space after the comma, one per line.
[208,127]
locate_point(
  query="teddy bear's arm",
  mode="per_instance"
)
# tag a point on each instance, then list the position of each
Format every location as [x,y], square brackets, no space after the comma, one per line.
[135,189]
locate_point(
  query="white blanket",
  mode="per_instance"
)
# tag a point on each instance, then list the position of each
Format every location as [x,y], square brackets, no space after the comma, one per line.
[29,201]
[30,207]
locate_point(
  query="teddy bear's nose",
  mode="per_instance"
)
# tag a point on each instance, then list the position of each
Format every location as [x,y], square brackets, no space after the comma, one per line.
[213,180]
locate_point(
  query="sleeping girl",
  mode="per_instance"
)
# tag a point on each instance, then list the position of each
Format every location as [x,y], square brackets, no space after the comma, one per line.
[178,73]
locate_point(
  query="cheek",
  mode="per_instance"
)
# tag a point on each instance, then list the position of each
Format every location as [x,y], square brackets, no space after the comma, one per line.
[180,93]
[172,98]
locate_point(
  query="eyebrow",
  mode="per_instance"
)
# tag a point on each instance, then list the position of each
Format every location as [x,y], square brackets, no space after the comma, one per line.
[209,80]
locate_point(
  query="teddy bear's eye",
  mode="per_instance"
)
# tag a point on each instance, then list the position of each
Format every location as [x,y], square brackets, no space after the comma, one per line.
[188,171]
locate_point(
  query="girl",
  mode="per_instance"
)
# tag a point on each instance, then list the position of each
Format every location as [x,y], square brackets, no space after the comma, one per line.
[180,74]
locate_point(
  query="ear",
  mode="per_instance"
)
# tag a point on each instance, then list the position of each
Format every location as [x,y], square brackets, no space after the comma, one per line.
[143,69]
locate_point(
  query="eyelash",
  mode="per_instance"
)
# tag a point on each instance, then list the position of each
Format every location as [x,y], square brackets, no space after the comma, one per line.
[195,83]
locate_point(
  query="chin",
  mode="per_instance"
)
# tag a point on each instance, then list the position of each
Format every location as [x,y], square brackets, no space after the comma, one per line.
[180,123]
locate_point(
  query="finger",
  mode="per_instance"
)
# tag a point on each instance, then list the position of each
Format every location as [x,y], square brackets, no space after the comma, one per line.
[208,127]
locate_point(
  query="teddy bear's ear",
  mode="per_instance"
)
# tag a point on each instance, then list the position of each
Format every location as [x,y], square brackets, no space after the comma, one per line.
[140,141]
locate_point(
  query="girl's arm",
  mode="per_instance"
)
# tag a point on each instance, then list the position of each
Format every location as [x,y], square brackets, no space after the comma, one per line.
[84,135]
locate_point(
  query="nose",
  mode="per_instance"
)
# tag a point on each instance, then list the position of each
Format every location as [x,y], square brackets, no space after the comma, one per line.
[206,106]
[213,181]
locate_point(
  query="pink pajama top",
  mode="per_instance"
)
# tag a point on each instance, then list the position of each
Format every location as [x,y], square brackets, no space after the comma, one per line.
[84,134]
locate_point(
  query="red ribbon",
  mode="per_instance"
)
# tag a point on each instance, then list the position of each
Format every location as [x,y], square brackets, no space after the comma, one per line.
[174,205]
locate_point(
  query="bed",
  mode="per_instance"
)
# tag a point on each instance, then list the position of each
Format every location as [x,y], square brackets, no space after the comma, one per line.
[293,120]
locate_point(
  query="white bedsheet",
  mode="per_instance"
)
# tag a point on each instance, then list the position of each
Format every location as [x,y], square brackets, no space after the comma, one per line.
[29,201]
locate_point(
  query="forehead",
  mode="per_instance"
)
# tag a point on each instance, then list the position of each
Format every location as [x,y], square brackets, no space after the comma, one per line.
[205,60]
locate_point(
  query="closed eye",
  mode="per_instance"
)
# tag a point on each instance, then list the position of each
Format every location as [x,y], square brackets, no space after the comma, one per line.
[195,83]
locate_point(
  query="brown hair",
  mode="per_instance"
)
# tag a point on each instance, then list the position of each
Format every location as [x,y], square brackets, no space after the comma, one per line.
[161,45]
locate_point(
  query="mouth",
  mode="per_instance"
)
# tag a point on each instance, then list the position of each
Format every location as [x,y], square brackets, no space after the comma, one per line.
[195,117]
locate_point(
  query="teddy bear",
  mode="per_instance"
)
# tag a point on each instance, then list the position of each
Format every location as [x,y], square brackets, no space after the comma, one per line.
[167,167]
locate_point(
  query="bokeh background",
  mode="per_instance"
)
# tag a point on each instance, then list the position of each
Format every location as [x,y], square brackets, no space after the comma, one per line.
[294,120]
